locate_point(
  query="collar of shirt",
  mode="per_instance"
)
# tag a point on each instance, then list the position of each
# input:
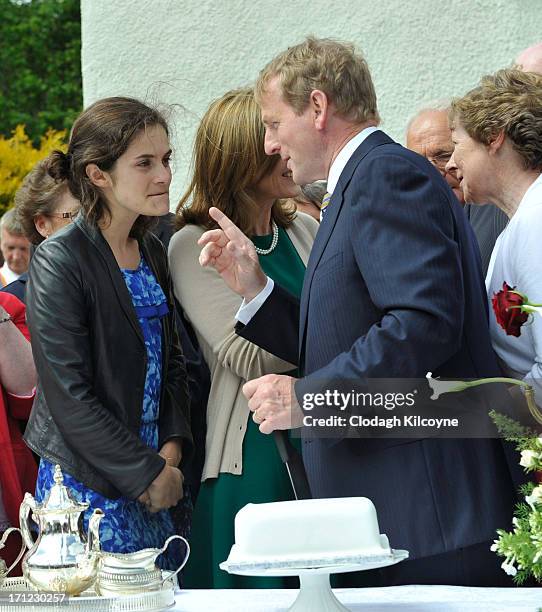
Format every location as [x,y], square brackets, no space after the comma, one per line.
[531,197]
[344,155]
[9,275]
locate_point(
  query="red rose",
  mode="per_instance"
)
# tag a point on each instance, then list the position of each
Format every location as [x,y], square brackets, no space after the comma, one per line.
[510,319]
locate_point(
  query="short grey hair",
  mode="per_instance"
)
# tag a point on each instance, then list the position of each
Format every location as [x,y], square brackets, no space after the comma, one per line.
[10,223]
[315,192]
[441,105]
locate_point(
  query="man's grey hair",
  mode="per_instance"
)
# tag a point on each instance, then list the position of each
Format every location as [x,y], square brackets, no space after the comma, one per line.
[10,223]
[442,105]
[315,192]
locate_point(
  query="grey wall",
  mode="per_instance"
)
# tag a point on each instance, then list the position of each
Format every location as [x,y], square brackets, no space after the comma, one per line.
[188,52]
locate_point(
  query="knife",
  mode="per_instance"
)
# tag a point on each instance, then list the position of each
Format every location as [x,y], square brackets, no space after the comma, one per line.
[294,465]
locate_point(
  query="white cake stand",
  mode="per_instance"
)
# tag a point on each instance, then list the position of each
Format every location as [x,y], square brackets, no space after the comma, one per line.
[315,594]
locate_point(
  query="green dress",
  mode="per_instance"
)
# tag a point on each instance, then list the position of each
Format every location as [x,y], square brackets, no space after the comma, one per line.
[264,477]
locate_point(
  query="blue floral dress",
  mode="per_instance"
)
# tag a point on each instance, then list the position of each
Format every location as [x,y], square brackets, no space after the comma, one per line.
[127,525]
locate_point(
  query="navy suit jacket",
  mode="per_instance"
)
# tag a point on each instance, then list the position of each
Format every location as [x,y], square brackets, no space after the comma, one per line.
[17,287]
[487,222]
[393,288]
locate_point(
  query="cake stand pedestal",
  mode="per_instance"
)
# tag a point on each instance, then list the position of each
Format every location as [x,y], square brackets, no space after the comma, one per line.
[315,594]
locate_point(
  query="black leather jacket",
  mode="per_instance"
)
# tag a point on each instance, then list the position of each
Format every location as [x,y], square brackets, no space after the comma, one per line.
[91,361]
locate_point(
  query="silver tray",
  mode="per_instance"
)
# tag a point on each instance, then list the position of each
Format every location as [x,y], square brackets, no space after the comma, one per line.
[27,599]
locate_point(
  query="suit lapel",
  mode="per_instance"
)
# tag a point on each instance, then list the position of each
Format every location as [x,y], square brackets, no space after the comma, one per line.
[328,224]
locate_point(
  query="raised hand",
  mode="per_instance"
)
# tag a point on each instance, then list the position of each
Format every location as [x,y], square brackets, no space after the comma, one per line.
[233,256]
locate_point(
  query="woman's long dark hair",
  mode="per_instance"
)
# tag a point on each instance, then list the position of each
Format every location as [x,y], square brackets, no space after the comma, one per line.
[100,135]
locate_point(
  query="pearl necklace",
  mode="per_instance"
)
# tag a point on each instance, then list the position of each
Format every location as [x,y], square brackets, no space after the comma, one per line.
[274,241]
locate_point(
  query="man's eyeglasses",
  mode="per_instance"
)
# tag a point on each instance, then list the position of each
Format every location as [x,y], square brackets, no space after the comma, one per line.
[440,160]
[65,215]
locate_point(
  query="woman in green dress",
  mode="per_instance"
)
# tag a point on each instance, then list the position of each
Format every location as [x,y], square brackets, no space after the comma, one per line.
[232,172]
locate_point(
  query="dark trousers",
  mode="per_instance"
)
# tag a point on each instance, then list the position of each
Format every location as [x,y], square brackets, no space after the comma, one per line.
[471,566]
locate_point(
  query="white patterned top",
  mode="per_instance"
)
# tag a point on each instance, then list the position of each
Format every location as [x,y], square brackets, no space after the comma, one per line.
[517,259]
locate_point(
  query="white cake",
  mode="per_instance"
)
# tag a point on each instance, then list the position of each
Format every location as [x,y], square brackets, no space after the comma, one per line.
[309,529]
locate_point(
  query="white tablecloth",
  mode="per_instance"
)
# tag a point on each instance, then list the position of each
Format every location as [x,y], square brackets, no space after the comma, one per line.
[389,599]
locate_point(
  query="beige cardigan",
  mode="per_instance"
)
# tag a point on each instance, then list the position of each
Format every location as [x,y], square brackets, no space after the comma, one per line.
[210,306]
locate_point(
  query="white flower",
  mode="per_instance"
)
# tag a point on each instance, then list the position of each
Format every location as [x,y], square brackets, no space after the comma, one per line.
[495,546]
[528,458]
[509,567]
[535,497]
[444,386]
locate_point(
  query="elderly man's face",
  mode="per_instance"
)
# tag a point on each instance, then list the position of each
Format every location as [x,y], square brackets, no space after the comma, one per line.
[430,136]
[294,137]
[16,252]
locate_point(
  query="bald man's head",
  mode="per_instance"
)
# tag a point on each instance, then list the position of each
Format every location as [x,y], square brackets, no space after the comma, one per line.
[429,135]
[530,60]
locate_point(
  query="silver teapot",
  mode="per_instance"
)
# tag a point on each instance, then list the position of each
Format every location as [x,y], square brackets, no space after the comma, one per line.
[62,559]
[4,570]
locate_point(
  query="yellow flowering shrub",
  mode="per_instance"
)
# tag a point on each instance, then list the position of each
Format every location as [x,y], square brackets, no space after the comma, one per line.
[18,156]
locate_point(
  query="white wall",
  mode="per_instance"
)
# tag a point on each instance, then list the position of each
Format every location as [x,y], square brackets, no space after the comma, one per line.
[189,52]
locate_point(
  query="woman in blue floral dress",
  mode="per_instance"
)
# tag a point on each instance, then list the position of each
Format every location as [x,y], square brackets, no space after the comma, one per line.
[112,400]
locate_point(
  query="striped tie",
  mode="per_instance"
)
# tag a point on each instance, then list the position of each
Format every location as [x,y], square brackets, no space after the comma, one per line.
[325,203]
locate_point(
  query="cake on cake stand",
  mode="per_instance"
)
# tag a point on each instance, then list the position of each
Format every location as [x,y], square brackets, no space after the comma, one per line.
[315,594]
[310,539]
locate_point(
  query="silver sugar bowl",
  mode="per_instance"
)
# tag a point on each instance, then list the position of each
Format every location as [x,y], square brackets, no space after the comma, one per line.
[129,573]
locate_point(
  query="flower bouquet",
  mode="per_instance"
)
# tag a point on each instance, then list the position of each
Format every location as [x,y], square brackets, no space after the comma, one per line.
[522,547]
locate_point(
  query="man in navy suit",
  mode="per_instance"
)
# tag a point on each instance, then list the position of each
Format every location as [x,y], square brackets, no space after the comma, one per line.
[393,289]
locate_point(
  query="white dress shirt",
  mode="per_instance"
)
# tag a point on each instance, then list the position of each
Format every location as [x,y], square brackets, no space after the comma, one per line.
[517,259]
[248,310]
[8,275]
